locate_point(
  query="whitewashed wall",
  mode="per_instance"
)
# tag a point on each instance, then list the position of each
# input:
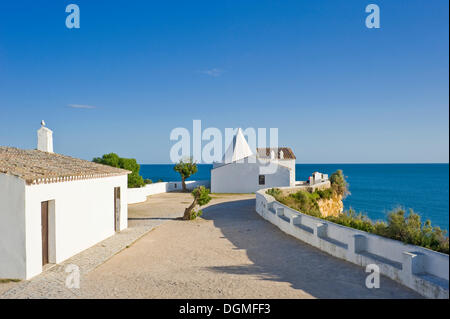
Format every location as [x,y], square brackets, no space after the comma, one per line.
[290,163]
[139,195]
[12,227]
[243,178]
[83,215]
[418,268]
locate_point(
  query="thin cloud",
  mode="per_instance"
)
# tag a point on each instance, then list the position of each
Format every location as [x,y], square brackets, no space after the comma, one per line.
[215,72]
[82,106]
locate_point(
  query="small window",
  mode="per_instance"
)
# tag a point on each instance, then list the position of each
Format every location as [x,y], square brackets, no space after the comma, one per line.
[262,179]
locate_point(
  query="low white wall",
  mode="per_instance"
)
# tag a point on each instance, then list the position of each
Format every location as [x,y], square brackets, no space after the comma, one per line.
[81,214]
[139,195]
[418,268]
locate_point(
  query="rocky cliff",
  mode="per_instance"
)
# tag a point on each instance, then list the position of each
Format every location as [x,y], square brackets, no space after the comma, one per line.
[331,207]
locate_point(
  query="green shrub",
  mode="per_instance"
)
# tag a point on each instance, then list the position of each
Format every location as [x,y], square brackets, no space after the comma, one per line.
[305,202]
[325,193]
[351,219]
[399,226]
[147,181]
[196,214]
[275,192]
[112,159]
[409,229]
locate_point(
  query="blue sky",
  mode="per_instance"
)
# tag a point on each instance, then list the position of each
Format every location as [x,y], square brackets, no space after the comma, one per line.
[337,91]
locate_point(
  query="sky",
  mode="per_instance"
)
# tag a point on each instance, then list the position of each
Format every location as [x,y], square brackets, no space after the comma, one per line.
[337,91]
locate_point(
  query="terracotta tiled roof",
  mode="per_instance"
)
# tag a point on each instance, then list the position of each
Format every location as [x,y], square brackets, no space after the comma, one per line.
[37,167]
[265,152]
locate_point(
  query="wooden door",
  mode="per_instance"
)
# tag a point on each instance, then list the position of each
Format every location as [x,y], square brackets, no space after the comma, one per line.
[44,230]
[116,208]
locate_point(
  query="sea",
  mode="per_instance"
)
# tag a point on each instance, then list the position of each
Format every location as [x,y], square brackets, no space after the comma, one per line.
[375,189]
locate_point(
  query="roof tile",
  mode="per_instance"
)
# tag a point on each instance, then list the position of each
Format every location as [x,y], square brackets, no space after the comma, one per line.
[38,167]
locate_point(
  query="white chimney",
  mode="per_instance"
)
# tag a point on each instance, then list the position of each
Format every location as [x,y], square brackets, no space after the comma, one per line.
[45,139]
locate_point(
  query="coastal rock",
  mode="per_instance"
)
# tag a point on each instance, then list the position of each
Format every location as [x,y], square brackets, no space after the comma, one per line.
[331,207]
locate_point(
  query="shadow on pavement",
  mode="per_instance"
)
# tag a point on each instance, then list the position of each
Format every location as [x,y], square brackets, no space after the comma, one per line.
[279,257]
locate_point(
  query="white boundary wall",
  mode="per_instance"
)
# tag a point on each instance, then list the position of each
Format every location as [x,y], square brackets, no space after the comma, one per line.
[139,195]
[418,268]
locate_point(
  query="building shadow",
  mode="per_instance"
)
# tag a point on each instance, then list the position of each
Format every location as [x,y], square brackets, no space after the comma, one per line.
[279,257]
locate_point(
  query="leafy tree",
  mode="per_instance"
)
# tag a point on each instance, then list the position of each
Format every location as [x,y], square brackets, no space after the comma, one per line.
[112,159]
[201,197]
[186,169]
[339,184]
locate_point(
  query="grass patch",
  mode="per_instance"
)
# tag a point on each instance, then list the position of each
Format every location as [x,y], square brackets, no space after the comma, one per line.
[5,281]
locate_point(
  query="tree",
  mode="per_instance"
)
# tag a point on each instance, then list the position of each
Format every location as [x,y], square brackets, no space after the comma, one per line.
[201,197]
[186,169]
[112,159]
[339,184]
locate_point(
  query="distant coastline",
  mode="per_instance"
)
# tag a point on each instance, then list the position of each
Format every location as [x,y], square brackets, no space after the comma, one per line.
[375,188]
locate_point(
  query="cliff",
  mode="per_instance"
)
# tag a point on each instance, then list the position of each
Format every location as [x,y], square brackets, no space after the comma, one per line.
[331,207]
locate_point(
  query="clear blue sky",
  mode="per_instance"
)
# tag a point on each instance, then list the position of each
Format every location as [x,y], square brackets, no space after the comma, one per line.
[337,91]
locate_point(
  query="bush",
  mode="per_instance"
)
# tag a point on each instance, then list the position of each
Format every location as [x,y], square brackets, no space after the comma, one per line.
[147,181]
[406,228]
[275,192]
[112,159]
[410,230]
[325,193]
[353,220]
[302,201]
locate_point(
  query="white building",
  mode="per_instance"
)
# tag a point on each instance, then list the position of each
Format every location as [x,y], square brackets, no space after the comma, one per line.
[243,171]
[317,178]
[54,206]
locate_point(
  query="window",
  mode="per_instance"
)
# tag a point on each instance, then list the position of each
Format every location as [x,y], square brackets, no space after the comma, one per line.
[262,179]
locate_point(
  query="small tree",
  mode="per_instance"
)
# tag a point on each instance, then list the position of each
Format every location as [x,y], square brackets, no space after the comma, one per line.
[201,197]
[186,169]
[112,159]
[339,184]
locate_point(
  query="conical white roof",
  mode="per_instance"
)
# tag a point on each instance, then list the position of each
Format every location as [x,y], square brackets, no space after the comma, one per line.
[238,149]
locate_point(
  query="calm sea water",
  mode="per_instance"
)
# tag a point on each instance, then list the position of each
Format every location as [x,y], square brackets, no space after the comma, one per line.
[375,188]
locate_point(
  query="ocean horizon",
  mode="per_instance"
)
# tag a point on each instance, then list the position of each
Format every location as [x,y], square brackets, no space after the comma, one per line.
[375,189]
